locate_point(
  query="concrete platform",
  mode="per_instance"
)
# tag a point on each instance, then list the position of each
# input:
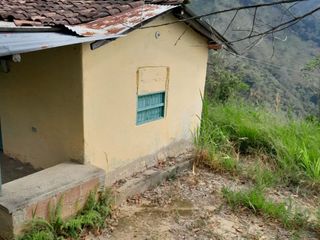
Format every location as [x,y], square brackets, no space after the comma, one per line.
[32,195]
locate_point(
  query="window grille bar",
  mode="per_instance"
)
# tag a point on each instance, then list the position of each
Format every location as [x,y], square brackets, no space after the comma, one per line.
[150,107]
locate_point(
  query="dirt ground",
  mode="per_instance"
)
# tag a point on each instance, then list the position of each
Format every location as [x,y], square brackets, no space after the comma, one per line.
[192,207]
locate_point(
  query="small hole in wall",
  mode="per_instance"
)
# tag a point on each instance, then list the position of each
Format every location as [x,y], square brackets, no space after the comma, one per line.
[34,129]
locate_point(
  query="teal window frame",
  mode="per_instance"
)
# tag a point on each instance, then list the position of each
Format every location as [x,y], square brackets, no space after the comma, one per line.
[150,107]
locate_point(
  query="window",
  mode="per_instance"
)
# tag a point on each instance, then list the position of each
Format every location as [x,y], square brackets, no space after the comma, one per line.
[151,107]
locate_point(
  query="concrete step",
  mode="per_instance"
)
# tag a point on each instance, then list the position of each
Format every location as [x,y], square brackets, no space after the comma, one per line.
[33,195]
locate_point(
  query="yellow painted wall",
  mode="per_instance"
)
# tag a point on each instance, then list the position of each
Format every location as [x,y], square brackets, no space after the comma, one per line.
[41,107]
[112,138]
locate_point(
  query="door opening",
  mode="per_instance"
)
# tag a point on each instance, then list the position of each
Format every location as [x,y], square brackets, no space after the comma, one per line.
[1,144]
[1,150]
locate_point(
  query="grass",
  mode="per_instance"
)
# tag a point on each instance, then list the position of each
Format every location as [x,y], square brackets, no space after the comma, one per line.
[92,217]
[235,129]
[255,201]
[262,175]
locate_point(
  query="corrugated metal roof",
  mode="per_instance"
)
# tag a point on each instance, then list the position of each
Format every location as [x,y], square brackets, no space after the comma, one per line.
[120,23]
[12,27]
[22,42]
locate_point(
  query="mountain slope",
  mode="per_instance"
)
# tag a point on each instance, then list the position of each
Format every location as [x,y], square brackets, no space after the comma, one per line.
[272,68]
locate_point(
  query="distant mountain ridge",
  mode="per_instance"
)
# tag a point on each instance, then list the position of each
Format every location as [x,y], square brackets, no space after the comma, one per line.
[272,68]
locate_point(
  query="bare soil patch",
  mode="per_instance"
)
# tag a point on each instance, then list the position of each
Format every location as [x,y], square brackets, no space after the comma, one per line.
[192,207]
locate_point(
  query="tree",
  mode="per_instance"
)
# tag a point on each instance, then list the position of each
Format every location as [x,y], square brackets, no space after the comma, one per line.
[313,65]
[223,83]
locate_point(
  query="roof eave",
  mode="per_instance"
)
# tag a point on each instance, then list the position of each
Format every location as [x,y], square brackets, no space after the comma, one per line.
[11,27]
[203,28]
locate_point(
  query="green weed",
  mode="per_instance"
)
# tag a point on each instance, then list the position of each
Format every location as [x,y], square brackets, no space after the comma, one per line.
[38,229]
[262,176]
[93,216]
[39,235]
[215,150]
[255,201]
[297,146]
[309,163]
[72,227]
[55,219]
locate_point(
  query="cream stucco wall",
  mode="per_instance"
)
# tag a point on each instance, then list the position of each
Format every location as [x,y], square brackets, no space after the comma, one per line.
[41,107]
[112,138]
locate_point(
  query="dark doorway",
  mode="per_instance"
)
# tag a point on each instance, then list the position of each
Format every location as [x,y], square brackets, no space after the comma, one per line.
[10,168]
[13,169]
[1,144]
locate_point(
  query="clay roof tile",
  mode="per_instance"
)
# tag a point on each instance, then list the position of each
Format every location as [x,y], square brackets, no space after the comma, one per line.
[73,12]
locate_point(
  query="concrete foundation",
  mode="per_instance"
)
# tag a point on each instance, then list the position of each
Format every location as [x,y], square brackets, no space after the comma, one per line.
[174,150]
[150,178]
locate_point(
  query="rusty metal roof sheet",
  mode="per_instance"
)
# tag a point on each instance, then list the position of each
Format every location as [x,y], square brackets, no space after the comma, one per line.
[120,23]
[22,42]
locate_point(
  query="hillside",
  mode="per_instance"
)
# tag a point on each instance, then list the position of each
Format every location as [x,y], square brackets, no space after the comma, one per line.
[272,68]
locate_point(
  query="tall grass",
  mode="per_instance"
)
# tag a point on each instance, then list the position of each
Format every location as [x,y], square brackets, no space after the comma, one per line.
[235,127]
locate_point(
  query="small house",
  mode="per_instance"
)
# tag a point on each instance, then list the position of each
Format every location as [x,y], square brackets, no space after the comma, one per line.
[112,84]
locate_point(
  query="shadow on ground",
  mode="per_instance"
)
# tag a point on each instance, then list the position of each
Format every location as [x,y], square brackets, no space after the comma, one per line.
[12,169]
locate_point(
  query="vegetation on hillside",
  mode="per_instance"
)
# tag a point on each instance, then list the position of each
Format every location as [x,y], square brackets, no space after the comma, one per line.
[234,129]
[272,69]
[261,144]
[269,149]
